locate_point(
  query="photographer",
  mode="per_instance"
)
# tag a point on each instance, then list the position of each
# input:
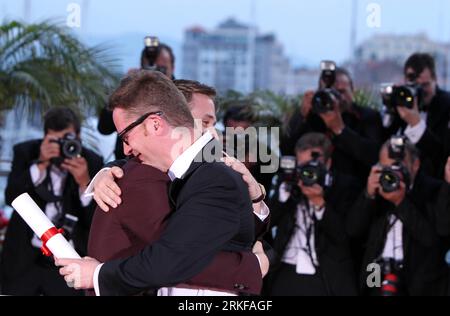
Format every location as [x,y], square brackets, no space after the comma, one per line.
[54,172]
[314,257]
[355,131]
[395,215]
[155,56]
[426,121]
[237,120]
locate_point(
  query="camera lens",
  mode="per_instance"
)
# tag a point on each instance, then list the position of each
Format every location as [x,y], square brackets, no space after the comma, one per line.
[323,102]
[404,96]
[70,146]
[309,176]
[390,180]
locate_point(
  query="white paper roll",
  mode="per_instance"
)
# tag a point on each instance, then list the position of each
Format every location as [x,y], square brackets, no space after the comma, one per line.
[39,223]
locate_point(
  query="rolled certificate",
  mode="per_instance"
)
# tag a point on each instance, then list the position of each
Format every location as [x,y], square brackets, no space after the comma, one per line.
[53,241]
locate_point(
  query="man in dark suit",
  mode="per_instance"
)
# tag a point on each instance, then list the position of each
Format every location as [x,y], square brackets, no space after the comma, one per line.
[212,206]
[356,132]
[313,251]
[396,216]
[427,127]
[56,185]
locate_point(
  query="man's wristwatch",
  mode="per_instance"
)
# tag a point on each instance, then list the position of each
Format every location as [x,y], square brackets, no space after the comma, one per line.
[262,196]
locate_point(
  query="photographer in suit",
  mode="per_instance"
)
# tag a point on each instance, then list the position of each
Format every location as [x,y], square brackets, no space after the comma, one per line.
[426,122]
[355,131]
[314,257]
[395,214]
[55,172]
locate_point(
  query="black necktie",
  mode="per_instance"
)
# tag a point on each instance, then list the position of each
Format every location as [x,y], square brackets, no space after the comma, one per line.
[174,190]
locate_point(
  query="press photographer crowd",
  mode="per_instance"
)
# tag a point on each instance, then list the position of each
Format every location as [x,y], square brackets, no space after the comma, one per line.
[359,206]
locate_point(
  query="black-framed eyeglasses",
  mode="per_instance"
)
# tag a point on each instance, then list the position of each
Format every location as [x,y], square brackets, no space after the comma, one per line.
[123,134]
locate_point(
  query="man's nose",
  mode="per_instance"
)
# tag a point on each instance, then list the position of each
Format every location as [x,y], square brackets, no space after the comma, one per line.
[127,150]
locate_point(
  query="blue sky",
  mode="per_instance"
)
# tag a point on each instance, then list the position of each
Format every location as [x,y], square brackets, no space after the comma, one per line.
[309,30]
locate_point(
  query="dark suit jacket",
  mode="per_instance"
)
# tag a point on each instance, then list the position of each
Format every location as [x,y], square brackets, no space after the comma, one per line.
[141,218]
[424,268]
[106,127]
[213,213]
[18,253]
[356,149]
[332,243]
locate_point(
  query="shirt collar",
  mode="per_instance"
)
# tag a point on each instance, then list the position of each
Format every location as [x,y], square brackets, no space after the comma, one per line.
[184,161]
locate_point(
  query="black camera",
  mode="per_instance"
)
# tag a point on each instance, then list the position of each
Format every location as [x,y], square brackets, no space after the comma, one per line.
[402,96]
[391,177]
[70,148]
[313,172]
[151,52]
[324,98]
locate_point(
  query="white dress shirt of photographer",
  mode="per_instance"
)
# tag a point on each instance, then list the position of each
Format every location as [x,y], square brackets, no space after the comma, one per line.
[301,249]
[393,247]
[77,167]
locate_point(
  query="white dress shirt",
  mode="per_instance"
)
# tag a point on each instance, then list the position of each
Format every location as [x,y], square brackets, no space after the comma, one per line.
[58,178]
[415,133]
[297,252]
[393,248]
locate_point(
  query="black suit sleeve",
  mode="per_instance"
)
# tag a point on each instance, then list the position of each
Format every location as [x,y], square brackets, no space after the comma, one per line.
[417,225]
[195,233]
[442,211]
[364,148]
[360,217]
[19,179]
[432,146]
[296,127]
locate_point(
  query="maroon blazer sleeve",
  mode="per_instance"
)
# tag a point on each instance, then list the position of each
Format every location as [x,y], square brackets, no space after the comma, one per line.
[137,221]
[231,271]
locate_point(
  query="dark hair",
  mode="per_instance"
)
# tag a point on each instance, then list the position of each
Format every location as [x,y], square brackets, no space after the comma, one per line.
[315,140]
[144,58]
[412,152]
[189,87]
[60,118]
[239,113]
[170,51]
[419,62]
[144,91]
[344,72]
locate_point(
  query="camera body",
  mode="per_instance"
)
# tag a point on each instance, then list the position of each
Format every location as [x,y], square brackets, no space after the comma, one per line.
[311,173]
[391,285]
[392,176]
[151,52]
[401,96]
[70,147]
[323,99]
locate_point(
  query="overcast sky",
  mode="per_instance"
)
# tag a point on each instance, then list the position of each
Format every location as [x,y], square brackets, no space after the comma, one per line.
[309,30]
